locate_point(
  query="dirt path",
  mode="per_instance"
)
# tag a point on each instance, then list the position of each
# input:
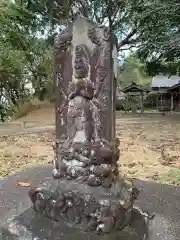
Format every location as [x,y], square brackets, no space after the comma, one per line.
[29,126]
[27,131]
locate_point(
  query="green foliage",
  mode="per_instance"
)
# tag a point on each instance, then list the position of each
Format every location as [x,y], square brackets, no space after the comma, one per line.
[118,15]
[172,178]
[28,28]
[42,78]
[12,53]
[160,37]
[133,71]
[22,55]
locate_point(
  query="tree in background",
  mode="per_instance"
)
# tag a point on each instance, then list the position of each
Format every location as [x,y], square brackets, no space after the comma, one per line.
[118,15]
[133,71]
[28,29]
[22,55]
[151,27]
[159,43]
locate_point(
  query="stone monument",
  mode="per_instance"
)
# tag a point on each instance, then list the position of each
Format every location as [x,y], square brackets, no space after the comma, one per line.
[86,191]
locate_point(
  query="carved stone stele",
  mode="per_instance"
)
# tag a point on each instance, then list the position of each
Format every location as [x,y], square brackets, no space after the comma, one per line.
[87,192]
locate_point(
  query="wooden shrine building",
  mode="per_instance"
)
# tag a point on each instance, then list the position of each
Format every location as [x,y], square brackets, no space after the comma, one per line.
[174,93]
[166,90]
[134,94]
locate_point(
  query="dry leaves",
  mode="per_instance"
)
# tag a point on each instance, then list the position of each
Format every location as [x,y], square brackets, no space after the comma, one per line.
[149,151]
[19,152]
[23,184]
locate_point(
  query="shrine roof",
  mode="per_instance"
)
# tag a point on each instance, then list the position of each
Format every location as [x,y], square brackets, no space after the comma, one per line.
[134,87]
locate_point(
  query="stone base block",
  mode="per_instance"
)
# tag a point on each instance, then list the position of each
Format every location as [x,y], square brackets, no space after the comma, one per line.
[87,208]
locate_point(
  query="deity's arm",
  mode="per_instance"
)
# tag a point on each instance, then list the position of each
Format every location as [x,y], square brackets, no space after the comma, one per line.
[85,94]
[62,42]
[79,88]
[102,74]
[62,107]
[72,91]
[97,103]
[63,90]
[61,86]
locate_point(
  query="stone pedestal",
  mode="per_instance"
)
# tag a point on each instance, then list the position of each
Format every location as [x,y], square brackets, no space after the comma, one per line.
[90,209]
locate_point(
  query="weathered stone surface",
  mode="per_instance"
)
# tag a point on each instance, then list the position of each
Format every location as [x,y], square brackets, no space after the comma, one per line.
[31,226]
[85,145]
[19,222]
[88,208]
[89,194]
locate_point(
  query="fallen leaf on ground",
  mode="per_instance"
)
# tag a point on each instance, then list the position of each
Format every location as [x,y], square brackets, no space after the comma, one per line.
[23,184]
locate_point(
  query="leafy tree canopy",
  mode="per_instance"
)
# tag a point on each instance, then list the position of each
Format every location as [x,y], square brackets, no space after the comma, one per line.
[133,71]
[160,36]
[21,54]
[151,27]
[28,27]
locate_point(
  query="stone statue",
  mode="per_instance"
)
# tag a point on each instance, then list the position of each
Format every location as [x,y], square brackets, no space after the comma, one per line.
[87,191]
[83,146]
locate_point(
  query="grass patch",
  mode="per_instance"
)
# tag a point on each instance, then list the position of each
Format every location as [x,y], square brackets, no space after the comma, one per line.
[173,177]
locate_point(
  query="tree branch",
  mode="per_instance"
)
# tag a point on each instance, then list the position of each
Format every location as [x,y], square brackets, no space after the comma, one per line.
[127,39]
[128,48]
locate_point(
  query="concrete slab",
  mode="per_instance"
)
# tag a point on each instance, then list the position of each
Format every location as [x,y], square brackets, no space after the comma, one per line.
[18,221]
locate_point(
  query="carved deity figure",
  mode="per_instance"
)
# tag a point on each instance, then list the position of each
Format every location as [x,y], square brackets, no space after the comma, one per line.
[79,114]
[84,103]
[83,108]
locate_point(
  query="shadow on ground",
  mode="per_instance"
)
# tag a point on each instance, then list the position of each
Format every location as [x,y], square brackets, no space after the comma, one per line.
[18,220]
